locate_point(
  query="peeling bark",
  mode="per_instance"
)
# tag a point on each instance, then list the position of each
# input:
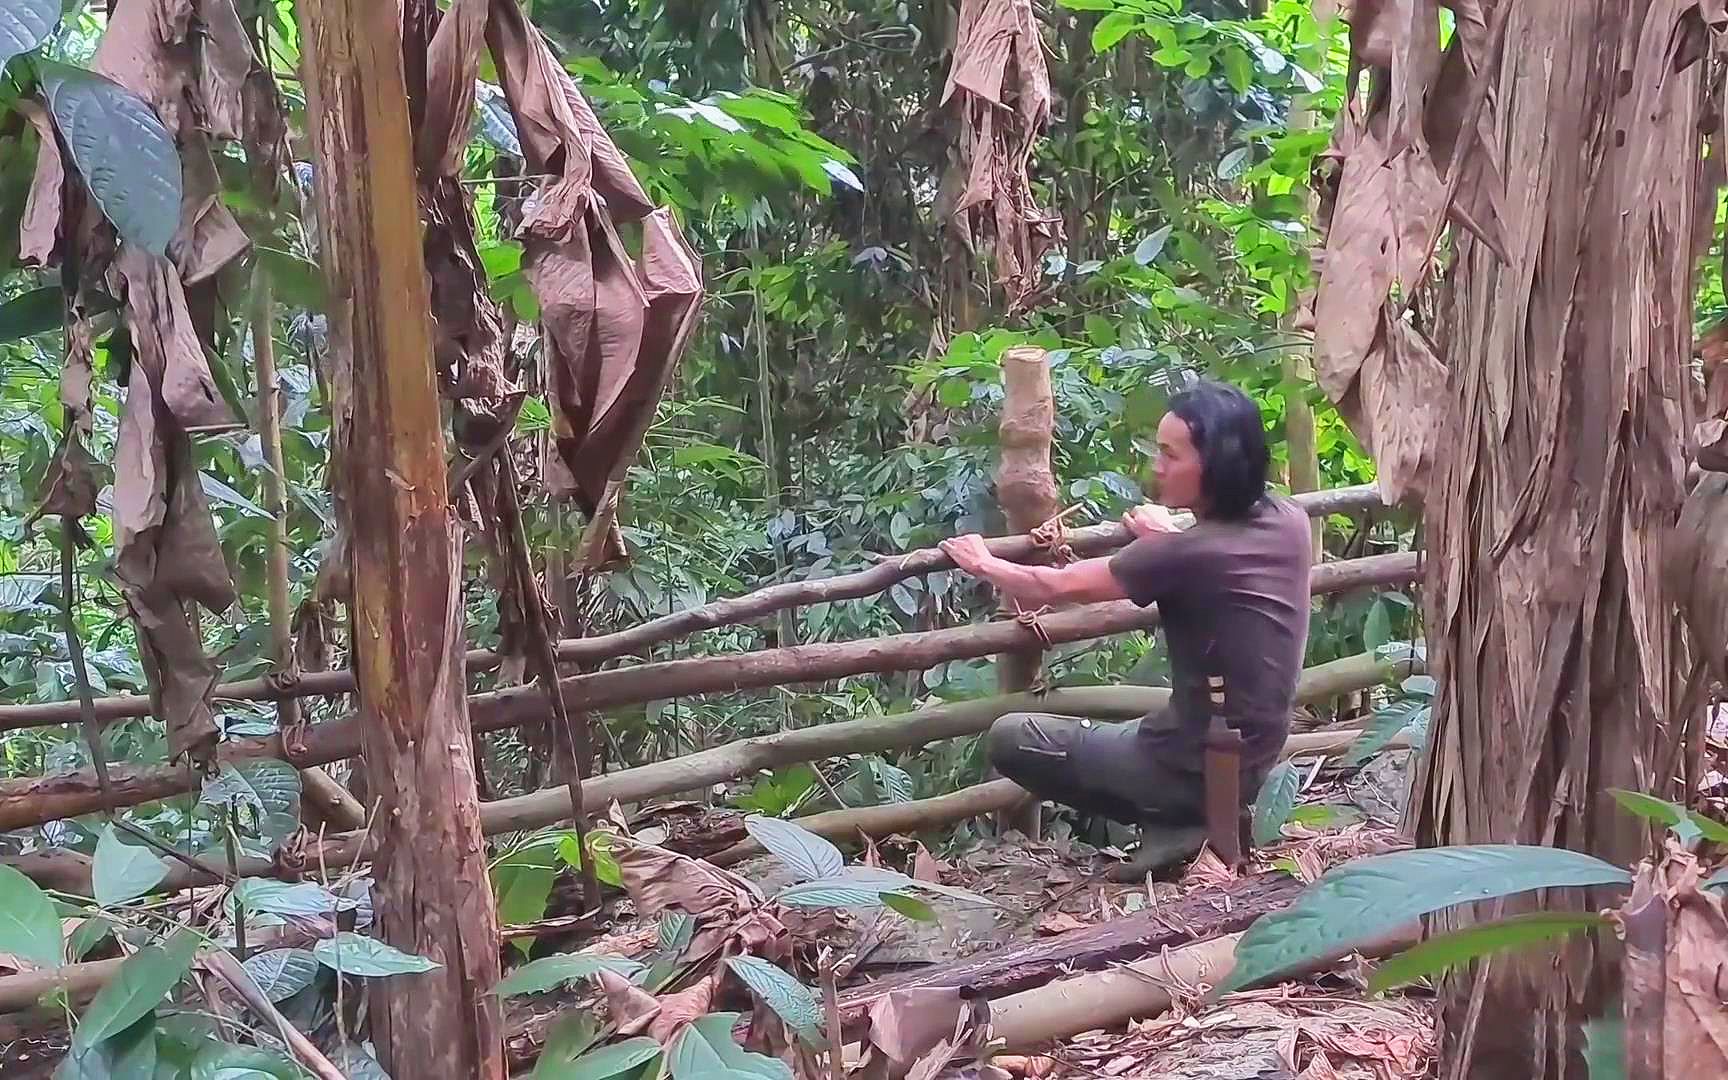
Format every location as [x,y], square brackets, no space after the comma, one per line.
[1561,666]
[433,897]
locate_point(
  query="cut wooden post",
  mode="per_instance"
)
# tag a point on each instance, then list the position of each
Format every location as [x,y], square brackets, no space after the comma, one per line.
[1026,491]
[432,896]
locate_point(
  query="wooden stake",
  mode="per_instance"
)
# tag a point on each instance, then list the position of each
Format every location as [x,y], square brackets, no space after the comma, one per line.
[1026,491]
[432,896]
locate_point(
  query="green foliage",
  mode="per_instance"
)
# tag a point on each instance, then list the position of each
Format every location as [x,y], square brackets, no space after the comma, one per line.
[1688,825]
[29,925]
[613,1060]
[790,999]
[1368,897]
[355,954]
[146,977]
[551,972]
[282,973]
[25,24]
[1445,951]
[1276,800]
[126,156]
[809,857]
[124,871]
[705,1050]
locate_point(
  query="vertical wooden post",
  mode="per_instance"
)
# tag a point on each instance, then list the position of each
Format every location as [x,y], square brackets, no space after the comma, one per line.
[1026,492]
[432,895]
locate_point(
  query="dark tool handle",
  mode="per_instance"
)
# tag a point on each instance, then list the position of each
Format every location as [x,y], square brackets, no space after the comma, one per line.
[1223,780]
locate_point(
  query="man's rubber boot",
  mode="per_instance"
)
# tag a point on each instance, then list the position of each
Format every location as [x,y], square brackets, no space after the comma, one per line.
[1161,846]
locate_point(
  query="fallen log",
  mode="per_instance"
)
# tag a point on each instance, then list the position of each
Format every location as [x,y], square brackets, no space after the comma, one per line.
[1109,999]
[39,800]
[1092,540]
[1203,913]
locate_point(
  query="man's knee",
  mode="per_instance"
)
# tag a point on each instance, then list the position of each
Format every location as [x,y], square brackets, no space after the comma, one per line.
[1003,745]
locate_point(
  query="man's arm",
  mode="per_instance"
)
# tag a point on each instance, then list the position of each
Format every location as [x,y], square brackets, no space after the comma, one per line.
[1084,582]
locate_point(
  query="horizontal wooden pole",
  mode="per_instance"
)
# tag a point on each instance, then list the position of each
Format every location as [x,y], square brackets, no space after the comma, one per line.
[1092,540]
[69,871]
[39,800]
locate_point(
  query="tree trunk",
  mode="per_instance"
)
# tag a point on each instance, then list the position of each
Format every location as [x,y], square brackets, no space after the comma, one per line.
[432,895]
[1558,472]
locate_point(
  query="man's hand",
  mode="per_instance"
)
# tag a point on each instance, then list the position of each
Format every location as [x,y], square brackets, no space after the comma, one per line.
[1149,519]
[969,553]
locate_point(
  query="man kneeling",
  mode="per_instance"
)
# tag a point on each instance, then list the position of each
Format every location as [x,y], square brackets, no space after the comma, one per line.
[1233,596]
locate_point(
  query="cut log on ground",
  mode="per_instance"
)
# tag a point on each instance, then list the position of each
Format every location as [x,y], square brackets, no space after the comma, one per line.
[1092,540]
[70,872]
[1109,999]
[40,800]
[1201,914]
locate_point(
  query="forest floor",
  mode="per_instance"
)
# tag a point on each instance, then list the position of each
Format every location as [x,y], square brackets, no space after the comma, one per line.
[1046,894]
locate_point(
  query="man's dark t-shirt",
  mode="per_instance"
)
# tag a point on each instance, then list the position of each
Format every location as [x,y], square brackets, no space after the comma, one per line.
[1234,600]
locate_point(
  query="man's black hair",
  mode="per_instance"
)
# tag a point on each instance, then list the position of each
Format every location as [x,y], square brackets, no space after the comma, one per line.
[1231,439]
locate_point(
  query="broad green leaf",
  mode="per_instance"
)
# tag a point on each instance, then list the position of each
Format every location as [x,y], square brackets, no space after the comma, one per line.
[1368,897]
[571,1035]
[129,1055]
[676,930]
[1377,630]
[263,896]
[123,871]
[1276,799]
[790,999]
[522,883]
[606,1062]
[1445,951]
[832,893]
[895,782]
[225,1061]
[227,496]
[1234,164]
[1670,814]
[29,927]
[1382,728]
[137,988]
[271,789]
[21,593]
[1605,1047]
[806,855]
[1152,246]
[40,310]
[693,1058]
[909,906]
[297,282]
[126,156]
[716,1028]
[1112,28]
[90,933]
[550,972]
[354,954]
[282,973]
[25,24]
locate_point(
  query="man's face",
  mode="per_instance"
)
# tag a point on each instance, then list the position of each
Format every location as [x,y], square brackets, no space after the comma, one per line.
[1178,465]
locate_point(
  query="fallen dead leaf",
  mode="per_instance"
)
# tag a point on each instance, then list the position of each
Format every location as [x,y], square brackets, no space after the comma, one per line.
[1060,922]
